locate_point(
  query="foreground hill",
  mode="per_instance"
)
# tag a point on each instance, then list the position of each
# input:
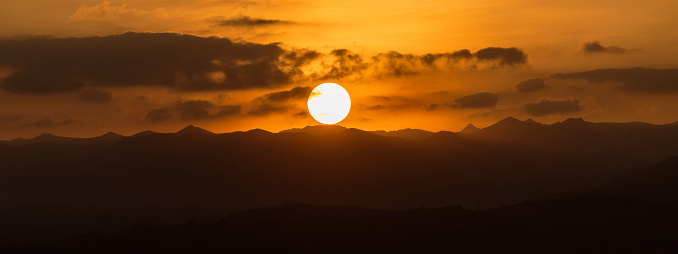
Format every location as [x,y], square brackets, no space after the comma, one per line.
[657,184]
[589,224]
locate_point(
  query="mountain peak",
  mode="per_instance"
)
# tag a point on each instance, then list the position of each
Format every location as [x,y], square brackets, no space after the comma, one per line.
[470,128]
[46,137]
[110,134]
[574,120]
[572,123]
[258,130]
[509,119]
[192,129]
[143,133]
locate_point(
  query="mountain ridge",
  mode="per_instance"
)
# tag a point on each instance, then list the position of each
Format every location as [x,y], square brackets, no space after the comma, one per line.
[645,141]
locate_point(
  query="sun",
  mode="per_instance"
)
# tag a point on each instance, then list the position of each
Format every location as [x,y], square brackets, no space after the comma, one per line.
[329,103]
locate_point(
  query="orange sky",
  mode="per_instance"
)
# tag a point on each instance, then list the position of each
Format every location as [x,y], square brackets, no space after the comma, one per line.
[233,65]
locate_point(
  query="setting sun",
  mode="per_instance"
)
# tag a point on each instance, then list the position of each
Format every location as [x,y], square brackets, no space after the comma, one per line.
[329,103]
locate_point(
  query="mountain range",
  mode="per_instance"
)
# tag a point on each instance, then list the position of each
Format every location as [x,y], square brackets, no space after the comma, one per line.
[644,141]
[53,187]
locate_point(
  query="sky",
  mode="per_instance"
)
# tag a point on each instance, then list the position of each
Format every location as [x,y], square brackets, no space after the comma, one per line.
[84,68]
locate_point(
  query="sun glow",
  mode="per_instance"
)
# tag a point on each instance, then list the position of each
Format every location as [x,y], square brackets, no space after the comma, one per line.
[329,103]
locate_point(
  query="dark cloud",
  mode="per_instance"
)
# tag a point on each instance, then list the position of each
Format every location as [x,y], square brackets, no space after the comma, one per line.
[394,103]
[595,47]
[345,63]
[9,118]
[504,56]
[549,107]
[301,114]
[33,81]
[531,85]
[267,109]
[246,21]
[159,115]
[430,59]
[636,80]
[95,95]
[294,60]
[393,63]
[280,101]
[477,100]
[229,110]
[47,122]
[186,62]
[194,63]
[192,110]
[299,92]
[398,64]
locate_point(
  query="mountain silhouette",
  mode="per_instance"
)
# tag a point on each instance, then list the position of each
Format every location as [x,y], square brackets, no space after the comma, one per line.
[143,133]
[47,138]
[192,129]
[470,128]
[411,134]
[657,184]
[644,141]
[317,130]
[59,189]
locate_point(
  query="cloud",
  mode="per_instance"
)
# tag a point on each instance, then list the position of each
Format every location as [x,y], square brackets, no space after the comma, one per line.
[193,63]
[393,63]
[504,56]
[267,109]
[229,110]
[47,122]
[343,63]
[101,11]
[96,95]
[194,109]
[394,103]
[9,118]
[531,85]
[477,100]
[299,92]
[595,47]
[35,81]
[301,114]
[431,58]
[191,110]
[280,101]
[294,60]
[184,62]
[157,115]
[246,21]
[634,80]
[346,63]
[549,107]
